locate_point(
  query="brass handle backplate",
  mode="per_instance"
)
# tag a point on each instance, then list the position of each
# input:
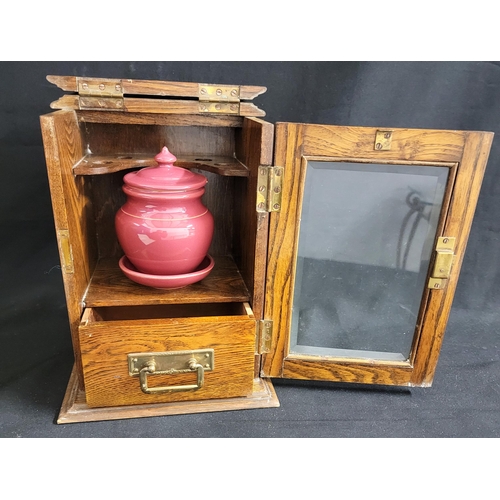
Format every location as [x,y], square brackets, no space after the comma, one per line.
[171,363]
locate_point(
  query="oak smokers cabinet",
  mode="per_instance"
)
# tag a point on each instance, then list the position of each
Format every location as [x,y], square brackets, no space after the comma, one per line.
[337,249]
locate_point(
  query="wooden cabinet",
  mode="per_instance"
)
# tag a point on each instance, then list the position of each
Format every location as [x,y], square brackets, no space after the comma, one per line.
[336,256]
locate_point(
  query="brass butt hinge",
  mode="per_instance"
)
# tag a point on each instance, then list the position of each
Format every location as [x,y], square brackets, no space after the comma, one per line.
[442,264]
[65,253]
[269,186]
[224,99]
[264,336]
[100,93]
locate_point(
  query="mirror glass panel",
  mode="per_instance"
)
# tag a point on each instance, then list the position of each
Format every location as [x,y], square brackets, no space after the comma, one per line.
[365,241]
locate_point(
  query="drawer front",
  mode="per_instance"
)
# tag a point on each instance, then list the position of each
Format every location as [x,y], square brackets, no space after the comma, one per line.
[106,345]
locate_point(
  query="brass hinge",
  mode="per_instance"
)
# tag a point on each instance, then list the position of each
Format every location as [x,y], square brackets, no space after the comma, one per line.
[65,253]
[442,264]
[264,336]
[269,185]
[224,99]
[100,93]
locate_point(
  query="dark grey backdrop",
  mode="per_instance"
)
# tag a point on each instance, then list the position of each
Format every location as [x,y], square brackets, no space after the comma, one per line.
[34,335]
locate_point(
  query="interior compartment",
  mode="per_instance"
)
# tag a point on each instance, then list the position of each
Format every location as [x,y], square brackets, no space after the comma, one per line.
[110,150]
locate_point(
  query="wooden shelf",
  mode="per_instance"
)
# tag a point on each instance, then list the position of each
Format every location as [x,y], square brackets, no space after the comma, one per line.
[96,164]
[110,287]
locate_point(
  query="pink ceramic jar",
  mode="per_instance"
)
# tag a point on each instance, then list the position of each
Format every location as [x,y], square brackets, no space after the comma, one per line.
[164,228]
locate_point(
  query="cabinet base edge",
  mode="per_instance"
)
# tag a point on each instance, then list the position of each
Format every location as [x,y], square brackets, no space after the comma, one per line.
[74,408]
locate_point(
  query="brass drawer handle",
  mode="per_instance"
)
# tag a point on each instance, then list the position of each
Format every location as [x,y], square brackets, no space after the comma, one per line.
[171,363]
[150,368]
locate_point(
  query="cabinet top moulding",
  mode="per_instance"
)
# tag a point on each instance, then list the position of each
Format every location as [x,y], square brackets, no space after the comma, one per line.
[124,96]
[153,87]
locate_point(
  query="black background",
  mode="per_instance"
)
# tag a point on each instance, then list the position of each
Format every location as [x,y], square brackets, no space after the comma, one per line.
[36,354]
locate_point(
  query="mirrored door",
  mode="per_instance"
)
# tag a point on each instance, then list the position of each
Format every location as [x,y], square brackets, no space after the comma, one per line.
[354,250]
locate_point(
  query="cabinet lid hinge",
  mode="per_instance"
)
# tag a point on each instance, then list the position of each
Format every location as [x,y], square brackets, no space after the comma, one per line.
[219,99]
[100,93]
[269,187]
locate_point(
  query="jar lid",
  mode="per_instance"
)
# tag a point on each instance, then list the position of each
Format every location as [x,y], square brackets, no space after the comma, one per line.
[165,176]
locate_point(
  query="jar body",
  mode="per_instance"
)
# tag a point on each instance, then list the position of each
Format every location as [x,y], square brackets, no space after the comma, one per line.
[164,233]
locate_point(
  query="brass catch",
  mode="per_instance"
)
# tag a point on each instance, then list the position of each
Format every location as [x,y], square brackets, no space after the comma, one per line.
[443,262]
[66,255]
[269,186]
[383,140]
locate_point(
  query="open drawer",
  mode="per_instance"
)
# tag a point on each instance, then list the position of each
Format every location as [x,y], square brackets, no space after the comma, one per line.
[166,353]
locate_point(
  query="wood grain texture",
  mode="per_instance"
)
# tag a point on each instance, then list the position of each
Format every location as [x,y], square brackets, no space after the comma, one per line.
[123,140]
[105,346]
[254,146]
[463,203]
[159,119]
[145,105]
[110,287]
[75,409]
[445,207]
[107,164]
[283,235]
[407,144]
[465,153]
[153,87]
[72,210]
[349,371]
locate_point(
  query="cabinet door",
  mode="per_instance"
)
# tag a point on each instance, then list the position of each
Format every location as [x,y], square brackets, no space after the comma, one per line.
[365,252]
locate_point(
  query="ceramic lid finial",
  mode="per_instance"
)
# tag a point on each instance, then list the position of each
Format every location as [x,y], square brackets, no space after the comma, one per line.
[165,158]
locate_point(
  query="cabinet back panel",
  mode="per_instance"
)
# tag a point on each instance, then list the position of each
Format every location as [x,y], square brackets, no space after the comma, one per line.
[105,138]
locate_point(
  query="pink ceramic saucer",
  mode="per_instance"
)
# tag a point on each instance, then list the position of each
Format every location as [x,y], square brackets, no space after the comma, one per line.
[166,281]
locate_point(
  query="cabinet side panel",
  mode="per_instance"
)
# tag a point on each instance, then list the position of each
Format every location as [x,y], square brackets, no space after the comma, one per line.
[73,214]
[254,147]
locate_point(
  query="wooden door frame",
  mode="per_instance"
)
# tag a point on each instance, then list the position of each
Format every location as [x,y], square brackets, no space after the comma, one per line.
[465,153]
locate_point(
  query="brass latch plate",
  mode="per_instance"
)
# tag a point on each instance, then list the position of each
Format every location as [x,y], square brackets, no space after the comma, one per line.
[269,187]
[443,262]
[383,140]
[264,335]
[171,362]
